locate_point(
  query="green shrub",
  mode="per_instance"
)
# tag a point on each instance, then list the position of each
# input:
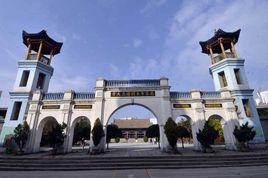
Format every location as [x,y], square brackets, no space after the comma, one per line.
[171,131]
[183,133]
[153,131]
[97,132]
[117,139]
[21,134]
[81,131]
[207,136]
[244,134]
[145,139]
[10,145]
[57,137]
[112,132]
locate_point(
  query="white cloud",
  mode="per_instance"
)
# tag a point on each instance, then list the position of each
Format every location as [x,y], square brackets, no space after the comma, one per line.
[153,35]
[66,82]
[137,42]
[152,4]
[195,22]
[114,71]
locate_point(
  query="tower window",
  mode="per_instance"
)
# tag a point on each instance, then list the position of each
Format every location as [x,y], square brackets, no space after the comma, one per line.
[16,110]
[222,78]
[246,107]
[41,81]
[237,76]
[24,78]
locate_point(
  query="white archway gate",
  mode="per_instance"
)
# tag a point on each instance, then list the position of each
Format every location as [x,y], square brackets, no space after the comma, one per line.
[111,95]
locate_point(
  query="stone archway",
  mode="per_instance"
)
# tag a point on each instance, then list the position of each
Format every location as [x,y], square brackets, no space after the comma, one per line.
[72,130]
[218,123]
[187,122]
[39,133]
[163,140]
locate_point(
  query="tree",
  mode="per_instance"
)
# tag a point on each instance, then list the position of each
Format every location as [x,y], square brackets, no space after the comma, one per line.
[171,131]
[153,132]
[244,134]
[21,134]
[117,139]
[207,136]
[97,132]
[183,133]
[81,131]
[186,123]
[145,139]
[216,124]
[112,132]
[57,137]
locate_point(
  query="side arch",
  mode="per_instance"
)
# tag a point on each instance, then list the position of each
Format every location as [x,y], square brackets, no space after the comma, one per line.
[71,132]
[184,116]
[40,128]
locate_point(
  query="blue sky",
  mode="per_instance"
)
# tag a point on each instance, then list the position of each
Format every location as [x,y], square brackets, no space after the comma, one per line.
[124,39]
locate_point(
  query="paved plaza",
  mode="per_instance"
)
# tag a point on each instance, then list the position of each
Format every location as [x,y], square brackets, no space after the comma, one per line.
[245,172]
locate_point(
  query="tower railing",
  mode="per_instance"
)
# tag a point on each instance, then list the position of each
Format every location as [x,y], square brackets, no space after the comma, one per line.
[84,95]
[53,96]
[220,57]
[132,83]
[210,94]
[175,94]
[33,57]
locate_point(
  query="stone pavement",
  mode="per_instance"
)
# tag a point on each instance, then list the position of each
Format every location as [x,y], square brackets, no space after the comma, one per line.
[245,172]
[146,149]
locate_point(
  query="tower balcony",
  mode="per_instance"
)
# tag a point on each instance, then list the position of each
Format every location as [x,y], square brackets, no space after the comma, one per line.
[220,57]
[43,59]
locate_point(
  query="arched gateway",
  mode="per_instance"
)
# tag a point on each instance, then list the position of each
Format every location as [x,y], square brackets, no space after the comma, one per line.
[111,95]
[232,100]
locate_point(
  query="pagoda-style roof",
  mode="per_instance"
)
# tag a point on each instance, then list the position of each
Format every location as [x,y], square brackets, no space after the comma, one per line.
[35,38]
[215,45]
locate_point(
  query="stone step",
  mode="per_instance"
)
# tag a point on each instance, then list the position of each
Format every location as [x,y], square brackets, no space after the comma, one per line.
[129,163]
[9,168]
[88,162]
[179,159]
[89,157]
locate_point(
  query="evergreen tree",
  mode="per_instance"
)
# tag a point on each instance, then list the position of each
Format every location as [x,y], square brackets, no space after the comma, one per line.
[81,131]
[183,133]
[216,124]
[112,132]
[207,136]
[97,132]
[171,131]
[21,134]
[153,131]
[244,134]
[57,137]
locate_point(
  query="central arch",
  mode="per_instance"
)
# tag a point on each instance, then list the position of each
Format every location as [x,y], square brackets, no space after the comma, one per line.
[138,132]
[218,123]
[132,104]
[187,122]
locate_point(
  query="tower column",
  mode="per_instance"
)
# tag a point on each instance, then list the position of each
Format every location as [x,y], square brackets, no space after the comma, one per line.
[28,52]
[50,57]
[212,56]
[222,49]
[39,50]
[233,50]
